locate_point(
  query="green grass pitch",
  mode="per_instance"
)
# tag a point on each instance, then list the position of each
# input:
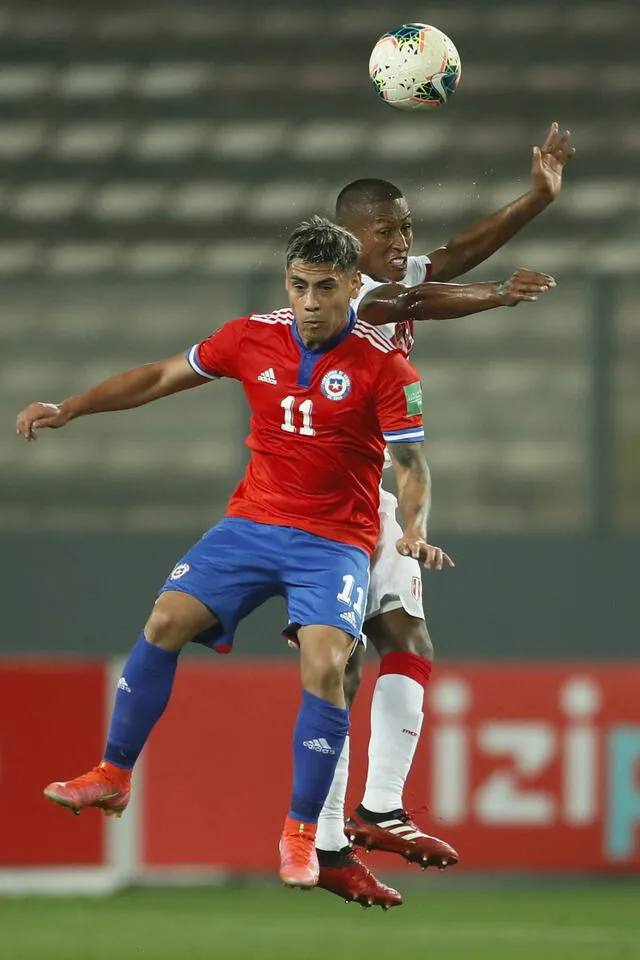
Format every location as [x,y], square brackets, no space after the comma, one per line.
[456,921]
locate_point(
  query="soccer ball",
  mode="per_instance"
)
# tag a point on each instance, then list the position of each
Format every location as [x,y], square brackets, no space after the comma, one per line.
[415,67]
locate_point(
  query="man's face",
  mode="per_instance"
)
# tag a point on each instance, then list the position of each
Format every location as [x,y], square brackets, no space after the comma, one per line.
[319,296]
[385,232]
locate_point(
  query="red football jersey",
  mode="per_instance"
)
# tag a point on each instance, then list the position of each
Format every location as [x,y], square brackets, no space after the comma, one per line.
[318,421]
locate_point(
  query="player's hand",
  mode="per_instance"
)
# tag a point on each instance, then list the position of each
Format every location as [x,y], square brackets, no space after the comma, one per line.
[523,285]
[549,161]
[38,415]
[433,558]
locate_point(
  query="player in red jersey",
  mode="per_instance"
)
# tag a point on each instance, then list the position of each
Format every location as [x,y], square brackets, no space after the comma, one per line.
[394,294]
[327,391]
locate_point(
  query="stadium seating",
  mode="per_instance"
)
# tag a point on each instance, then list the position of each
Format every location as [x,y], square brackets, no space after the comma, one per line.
[153,157]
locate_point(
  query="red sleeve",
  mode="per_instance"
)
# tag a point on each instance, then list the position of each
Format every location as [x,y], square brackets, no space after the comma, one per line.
[399,400]
[219,355]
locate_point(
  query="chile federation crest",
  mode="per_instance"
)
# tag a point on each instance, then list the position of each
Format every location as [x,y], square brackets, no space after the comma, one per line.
[336,385]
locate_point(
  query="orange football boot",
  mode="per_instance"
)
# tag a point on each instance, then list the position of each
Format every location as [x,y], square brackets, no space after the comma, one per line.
[105,786]
[298,858]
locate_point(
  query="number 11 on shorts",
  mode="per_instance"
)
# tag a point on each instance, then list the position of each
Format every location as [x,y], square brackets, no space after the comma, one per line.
[346,593]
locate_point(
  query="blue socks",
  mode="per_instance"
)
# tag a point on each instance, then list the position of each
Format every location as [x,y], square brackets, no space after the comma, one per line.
[318,738]
[143,692]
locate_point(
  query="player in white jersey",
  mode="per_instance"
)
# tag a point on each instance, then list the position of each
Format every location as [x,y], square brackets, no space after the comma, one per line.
[397,290]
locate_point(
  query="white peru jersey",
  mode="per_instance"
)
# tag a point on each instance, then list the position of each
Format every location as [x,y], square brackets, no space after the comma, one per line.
[401,334]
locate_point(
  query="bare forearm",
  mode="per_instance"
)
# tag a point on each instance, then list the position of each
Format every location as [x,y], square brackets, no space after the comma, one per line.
[414,491]
[122,392]
[429,301]
[126,390]
[477,242]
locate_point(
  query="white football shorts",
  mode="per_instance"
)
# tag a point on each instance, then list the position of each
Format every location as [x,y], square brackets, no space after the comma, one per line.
[395,581]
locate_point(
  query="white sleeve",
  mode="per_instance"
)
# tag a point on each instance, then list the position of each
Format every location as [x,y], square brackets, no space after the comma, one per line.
[367,284]
[418,270]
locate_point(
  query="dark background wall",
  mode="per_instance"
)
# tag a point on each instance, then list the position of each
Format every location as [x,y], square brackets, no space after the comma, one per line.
[517,597]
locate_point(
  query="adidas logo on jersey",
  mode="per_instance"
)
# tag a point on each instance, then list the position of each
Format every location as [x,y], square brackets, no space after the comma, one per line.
[320,745]
[268,376]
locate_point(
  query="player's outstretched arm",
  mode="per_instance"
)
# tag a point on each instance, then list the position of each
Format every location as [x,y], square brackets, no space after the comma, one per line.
[414,498]
[393,302]
[476,243]
[126,390]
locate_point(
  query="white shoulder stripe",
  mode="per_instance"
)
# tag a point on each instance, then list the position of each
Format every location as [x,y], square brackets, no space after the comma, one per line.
[381,345]
[192,360]
[280,312]
[271,320]
[375,332]
[278,316]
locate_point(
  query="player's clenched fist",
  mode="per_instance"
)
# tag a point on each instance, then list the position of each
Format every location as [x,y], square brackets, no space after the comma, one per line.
[38,415]
[523,285]
[433,558]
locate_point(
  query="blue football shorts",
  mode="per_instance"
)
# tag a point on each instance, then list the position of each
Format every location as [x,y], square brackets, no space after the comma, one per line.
[239,564]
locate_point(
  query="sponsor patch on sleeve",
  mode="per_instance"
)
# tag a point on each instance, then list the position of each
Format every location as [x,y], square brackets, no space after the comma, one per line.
[413,398]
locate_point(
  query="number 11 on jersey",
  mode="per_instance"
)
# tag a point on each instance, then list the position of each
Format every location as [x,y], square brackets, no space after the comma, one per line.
[305,408]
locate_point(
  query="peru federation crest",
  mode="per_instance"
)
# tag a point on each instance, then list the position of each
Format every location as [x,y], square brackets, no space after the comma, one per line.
[335,385]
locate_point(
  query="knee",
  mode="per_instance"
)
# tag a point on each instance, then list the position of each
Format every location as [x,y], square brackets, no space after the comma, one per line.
[353,676]
[398,632]
[323,672]
[166,628]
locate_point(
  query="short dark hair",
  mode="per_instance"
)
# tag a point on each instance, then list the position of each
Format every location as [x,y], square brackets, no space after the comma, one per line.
[361,193]
[318,240]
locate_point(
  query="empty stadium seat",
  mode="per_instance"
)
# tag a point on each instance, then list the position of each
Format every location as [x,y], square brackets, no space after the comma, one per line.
[153,159]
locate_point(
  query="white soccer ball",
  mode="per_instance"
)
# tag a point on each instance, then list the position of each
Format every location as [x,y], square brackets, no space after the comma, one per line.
[415,67]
